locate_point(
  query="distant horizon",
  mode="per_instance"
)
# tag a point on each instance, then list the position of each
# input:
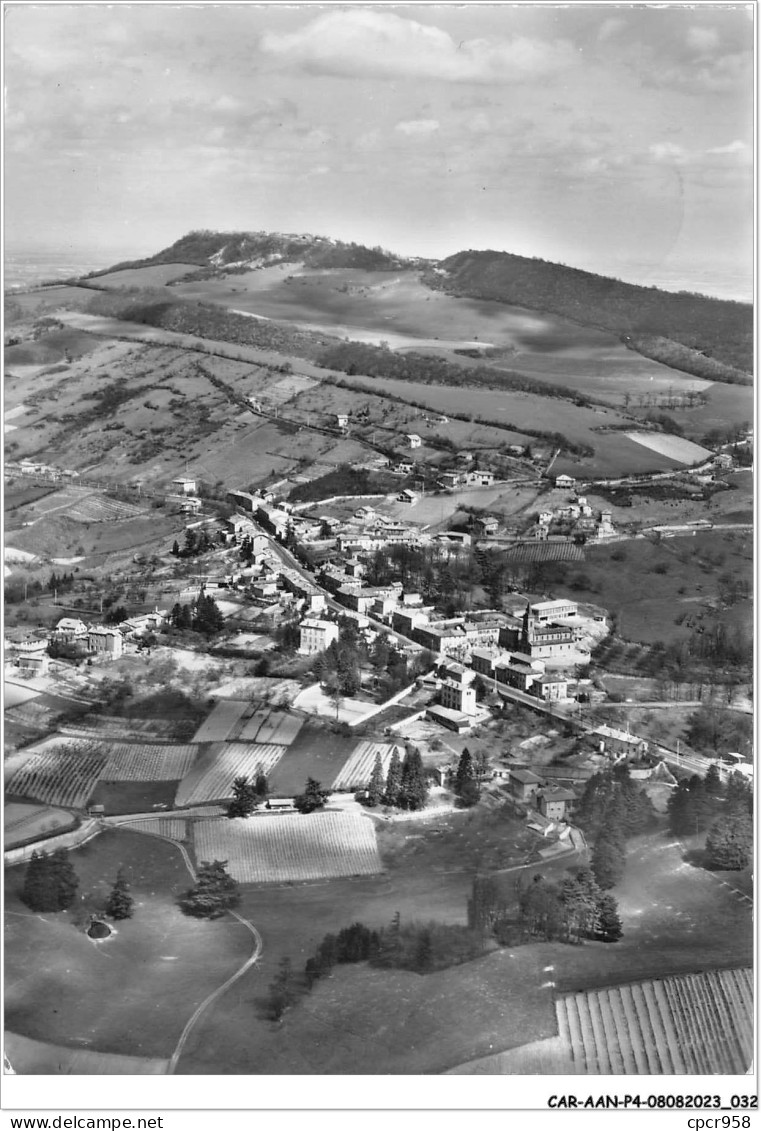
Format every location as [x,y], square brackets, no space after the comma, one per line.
[730,283]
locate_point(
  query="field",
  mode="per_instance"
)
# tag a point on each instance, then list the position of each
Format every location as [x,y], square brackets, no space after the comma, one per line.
[25,822]
[672,447]
[315,753]
[615,453]
[289,848]
[217,767]
[174,828]
[696,1024]
[123,777]
[157,275]
[150,762]
[221,721]
[546,552]
[355,774]
[660,590]
[61,774]
[40,1058]
[132,994]
[133,796]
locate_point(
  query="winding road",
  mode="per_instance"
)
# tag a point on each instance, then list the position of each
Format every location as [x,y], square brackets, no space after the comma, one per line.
[220,990]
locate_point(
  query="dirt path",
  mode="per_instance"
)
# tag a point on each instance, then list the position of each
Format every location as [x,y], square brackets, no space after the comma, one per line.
[220,990]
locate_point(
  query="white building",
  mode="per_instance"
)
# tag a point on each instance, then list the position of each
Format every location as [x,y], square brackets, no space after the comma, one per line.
[316,635]
[414,440]
[456,696]
[547,610]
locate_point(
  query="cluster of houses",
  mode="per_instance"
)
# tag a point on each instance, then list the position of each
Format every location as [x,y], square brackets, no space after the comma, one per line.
[106,641]
[45,470]
[575,519]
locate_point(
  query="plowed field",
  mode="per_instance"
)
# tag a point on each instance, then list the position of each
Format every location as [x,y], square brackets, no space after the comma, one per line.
[288,848]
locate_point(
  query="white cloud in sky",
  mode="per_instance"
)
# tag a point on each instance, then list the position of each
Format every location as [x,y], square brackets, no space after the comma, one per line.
[704,40]
[380,44]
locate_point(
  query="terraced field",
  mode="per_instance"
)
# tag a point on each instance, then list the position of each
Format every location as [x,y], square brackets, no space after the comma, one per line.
[355,774]
[696,1024]
[212,777]
[285,848]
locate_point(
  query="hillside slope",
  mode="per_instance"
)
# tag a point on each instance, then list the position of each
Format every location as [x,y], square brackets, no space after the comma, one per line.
[708,337]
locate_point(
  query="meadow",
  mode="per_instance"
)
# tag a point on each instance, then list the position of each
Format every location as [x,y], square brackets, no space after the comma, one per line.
[317,753]
[103,996]
[659,590]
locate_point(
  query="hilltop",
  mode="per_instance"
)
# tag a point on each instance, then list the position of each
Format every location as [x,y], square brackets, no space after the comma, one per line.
[224,252]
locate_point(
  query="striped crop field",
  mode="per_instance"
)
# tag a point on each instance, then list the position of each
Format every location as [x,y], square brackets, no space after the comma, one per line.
[355,774]
[219,724]
[278,727]
[545,552]
[215,770]
[133,761]
[173,827]
[98,508]
[693,1024]
[283,848]
[61,774]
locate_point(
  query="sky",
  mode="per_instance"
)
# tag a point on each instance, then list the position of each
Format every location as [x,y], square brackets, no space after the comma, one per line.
[616,138]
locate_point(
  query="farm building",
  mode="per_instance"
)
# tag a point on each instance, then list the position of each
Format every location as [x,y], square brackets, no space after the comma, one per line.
[407,496]
[565,482]
[316,635]
[479,478]
[342,421]
[36,663]
[450,479]
[184,485]
[404,467]
[485,527]
[414,440]
[524,784]
[556,803]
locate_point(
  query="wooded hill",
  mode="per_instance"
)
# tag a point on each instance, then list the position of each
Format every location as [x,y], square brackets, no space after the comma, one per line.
[708,337]
[219,250]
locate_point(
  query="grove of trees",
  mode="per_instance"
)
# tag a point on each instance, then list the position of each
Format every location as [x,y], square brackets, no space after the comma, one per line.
[50,882]
[214,892]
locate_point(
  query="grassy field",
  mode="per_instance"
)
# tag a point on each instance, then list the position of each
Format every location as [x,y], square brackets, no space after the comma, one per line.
[103,996]
[660,591]
[316,753]
[676,919]
[24,822]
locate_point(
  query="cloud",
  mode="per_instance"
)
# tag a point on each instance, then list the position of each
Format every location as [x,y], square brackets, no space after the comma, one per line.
[703,40]
[421,127]
[362,43]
